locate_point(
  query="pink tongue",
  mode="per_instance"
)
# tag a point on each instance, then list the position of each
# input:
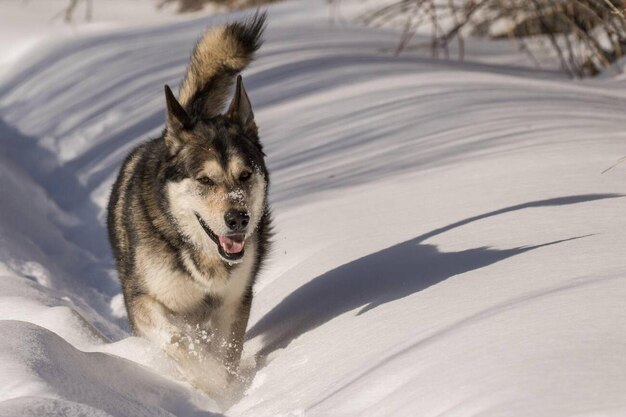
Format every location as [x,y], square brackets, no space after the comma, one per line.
[232,244]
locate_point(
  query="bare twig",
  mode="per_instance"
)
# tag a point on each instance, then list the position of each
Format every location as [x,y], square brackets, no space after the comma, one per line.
[615,9]
[585,35]
[69,11]
[619,161]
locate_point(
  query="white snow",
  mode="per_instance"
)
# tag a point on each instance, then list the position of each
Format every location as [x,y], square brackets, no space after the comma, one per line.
[446,244]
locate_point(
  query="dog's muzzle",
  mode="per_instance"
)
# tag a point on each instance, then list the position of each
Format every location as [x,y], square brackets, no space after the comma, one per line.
[230,247]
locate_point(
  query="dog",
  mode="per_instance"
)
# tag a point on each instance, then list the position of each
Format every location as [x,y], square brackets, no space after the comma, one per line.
[188,217]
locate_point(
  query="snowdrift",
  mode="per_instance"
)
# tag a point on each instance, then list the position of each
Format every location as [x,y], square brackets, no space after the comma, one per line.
[445,246]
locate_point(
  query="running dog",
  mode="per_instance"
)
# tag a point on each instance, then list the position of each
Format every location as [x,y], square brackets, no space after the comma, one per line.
[188,217]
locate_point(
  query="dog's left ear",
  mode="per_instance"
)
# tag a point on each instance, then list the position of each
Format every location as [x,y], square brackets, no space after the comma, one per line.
[177,117]
[240,109]
[177,120]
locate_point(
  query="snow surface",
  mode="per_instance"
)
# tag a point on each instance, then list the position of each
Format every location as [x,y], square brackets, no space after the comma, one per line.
[445,246]
[29,24]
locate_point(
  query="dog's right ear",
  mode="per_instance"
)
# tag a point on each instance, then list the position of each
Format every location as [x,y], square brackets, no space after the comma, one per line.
[177,120]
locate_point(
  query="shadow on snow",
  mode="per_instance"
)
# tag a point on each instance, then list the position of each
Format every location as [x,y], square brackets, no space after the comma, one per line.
[384,276]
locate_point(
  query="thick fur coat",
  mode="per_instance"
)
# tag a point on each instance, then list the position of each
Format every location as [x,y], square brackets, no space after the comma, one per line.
[188,217]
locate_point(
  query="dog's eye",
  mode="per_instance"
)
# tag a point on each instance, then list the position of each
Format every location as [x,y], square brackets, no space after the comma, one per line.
[205,181]
[245,176]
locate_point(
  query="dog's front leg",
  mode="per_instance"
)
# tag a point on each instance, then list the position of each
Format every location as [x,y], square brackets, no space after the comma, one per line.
[237,332]
[152,320]
[182,343]
[225,347]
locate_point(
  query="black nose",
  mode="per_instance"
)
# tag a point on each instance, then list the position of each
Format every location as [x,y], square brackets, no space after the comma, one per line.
[237,220]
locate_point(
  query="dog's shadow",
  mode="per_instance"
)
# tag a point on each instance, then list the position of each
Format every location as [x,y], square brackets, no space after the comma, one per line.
[384,276]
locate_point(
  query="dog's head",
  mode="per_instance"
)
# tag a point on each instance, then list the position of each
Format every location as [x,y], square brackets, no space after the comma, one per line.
[216,176]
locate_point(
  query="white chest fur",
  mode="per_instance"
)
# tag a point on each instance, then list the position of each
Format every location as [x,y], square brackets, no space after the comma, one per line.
[182,293]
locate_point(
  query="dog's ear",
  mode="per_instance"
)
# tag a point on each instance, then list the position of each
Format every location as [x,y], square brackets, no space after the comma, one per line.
[240,109]
[177,117]
[177,120]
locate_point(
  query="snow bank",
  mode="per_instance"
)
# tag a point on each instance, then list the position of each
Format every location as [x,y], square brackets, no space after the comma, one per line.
[446,244]
[29,26]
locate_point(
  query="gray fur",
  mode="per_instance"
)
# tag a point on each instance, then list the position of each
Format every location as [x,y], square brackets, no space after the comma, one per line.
[166,213]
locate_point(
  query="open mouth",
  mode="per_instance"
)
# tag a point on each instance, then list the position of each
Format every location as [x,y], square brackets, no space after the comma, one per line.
[230,247]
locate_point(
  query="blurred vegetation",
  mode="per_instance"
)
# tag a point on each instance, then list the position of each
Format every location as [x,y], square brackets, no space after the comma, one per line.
[185,6]
[586,36]
[68,13]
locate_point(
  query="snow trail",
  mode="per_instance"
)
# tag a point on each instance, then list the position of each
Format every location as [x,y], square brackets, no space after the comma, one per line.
[446,244]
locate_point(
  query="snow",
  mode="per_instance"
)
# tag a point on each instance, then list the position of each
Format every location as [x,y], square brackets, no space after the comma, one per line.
[446,244]
[29,25]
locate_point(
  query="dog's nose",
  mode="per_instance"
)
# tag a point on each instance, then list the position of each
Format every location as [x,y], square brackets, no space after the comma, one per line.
[237,220]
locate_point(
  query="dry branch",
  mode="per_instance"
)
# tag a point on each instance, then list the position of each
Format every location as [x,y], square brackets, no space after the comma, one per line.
[586,36]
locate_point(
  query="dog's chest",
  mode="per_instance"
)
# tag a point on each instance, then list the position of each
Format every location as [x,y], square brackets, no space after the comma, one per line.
[185,289]
[225,283]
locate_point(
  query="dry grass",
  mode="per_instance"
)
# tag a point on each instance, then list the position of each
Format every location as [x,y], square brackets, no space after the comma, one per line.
[585,35]
[185,6]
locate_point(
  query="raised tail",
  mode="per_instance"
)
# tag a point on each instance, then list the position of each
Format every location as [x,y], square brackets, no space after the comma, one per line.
[218,57]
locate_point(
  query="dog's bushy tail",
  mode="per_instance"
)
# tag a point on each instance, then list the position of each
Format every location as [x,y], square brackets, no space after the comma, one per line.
[218,57]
